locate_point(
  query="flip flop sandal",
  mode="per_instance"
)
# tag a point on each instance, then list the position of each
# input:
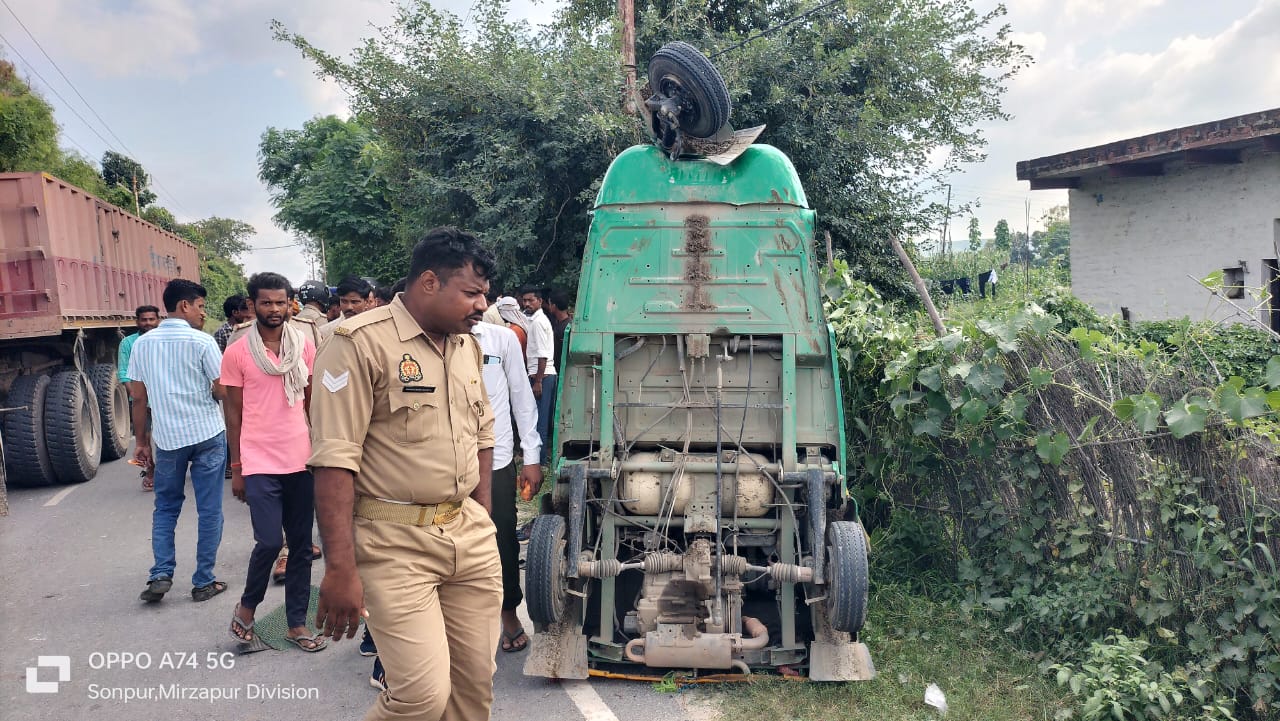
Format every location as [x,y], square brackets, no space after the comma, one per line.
[148,486]
[509,645]
[319,643]
[245,628]
[278,571]
[156,589]
[204,593]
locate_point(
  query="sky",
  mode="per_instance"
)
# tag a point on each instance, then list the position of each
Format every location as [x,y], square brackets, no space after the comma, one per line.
[187,88]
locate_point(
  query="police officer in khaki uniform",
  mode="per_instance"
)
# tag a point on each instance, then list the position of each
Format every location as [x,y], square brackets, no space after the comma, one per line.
[402,450]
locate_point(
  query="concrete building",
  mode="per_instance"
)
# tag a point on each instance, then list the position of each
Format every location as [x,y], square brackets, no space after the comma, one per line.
[1148,212]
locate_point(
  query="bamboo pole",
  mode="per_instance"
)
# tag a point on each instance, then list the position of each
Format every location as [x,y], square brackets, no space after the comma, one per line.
[938,328]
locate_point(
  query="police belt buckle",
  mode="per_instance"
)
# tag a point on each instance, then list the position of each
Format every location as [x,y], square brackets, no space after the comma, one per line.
[412,514]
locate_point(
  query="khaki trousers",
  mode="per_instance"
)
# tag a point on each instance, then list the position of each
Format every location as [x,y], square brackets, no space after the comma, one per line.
[433,595]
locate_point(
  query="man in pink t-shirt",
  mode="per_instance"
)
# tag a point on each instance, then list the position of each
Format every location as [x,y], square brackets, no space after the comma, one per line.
[267,375]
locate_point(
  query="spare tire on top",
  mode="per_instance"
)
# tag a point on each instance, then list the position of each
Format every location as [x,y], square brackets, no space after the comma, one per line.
[72,427]
[679,69]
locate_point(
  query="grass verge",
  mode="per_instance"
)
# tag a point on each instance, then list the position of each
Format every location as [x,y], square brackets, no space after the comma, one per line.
[914,641]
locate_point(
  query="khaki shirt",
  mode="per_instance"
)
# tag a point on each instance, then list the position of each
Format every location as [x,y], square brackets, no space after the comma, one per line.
[406,418]
[309,329]
[313,315]
[327,328]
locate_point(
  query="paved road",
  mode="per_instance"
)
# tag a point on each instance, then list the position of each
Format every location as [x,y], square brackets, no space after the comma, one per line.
[73,560]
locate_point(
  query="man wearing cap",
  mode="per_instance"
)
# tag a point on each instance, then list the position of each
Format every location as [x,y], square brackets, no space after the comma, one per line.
[402,447]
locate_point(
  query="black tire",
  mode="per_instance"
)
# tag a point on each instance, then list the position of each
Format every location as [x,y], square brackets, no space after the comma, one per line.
[72,427]
[113,410]
[26,455]
[679,65]
[847,578]
[544,578]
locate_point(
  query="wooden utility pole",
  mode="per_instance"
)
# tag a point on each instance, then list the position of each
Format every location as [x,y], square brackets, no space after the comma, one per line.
[137,209]
[627,15]
[831,256]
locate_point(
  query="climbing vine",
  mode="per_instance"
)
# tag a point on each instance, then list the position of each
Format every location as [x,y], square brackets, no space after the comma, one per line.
[1089,486]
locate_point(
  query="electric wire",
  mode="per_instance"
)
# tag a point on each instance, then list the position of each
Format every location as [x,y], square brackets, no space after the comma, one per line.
[774,28]
[172,198]
[64,76]
[53,90]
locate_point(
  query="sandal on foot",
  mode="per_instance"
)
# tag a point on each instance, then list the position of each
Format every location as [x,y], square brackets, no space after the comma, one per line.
[316,553]
[156,589]
[148,484]
[282,564]
[206,592]
[242,632]
[509,639]
[316,642]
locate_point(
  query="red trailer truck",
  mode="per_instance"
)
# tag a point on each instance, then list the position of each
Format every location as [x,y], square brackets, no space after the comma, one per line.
[73,268]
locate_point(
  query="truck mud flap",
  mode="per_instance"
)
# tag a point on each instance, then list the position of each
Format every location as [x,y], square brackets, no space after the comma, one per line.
[558,652]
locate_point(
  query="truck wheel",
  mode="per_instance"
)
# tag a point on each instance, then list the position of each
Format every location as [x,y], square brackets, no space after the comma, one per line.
[26,456]
[113,408]
[679,68]
[544,571]
[847,578]
[73,427]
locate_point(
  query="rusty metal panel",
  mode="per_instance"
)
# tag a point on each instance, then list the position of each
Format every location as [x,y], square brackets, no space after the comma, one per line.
[69,259]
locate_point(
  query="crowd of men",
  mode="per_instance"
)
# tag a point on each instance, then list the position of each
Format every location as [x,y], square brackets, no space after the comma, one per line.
[389,414]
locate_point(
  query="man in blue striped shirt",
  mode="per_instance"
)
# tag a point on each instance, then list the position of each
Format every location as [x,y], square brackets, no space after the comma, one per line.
[174,369]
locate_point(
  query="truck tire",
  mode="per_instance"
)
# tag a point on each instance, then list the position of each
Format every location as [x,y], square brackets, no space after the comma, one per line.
[847,578]
[544,578]
[113,409]
[72,427]
[680,67]
[27,457]
[4,484]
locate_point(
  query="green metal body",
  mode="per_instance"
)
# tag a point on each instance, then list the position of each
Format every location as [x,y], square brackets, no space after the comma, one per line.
[748,287]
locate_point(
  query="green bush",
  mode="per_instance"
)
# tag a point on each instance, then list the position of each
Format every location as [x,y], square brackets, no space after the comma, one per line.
[1117,682]
[1211,350]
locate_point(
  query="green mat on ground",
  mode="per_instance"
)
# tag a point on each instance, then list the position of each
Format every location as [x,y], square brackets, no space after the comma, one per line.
[271,629]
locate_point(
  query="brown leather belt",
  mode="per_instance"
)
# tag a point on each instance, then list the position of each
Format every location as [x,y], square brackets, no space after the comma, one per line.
[412,514]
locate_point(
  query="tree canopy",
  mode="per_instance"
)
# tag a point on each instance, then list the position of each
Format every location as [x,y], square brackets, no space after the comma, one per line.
[507,131]
[327,187]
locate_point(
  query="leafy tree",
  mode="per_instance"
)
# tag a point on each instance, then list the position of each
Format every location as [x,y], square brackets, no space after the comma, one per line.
[975,235]
[327,186]
[28,132]
[160,216]
[219,274]
[122,174]
[508,132]
[224,237]
[1003,240]
[1053,245]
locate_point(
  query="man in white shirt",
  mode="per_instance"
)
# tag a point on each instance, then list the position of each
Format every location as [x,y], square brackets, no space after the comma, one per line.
[506,382]
[540,357]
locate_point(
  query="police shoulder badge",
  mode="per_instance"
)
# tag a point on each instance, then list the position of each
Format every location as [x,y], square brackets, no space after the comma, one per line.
[410,371]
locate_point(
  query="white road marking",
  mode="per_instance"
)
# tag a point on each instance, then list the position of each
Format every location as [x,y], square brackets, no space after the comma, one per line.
[57,498]
[589,703]
[593,707]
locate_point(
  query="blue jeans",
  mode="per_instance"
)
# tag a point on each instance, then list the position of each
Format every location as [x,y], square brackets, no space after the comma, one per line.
[545,404]
[207,460]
